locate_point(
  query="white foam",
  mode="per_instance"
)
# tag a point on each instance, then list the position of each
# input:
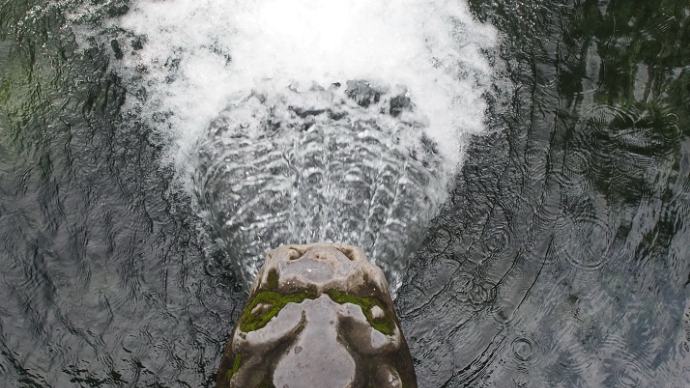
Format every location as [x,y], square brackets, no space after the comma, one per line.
[433,48]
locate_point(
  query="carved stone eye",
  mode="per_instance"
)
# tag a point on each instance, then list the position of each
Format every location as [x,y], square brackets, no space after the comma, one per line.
[377,313]
[371,307]
[267,305]
[261,309]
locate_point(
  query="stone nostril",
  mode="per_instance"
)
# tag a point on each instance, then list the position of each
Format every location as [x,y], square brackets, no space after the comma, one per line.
[349,253]
[294,254]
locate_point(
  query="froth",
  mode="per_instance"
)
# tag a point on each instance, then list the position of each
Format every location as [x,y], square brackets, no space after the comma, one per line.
[202,56]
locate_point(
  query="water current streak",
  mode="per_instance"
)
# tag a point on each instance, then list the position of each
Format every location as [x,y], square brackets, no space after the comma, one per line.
[349,164]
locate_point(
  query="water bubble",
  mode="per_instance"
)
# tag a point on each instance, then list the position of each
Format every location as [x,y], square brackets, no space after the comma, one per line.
[522,349]
[498,240]
[629,375]
[586,236]
[482,294]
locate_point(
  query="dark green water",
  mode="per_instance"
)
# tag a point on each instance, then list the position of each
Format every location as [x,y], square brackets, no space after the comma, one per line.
[561,259]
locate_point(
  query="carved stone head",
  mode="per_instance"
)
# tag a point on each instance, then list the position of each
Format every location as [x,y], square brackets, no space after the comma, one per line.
[318,315]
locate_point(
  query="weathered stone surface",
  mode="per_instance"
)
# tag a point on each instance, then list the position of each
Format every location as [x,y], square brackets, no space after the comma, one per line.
[318,315]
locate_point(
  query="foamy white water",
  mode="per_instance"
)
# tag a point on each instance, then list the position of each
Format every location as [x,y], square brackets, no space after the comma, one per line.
[202,60]
[225,48]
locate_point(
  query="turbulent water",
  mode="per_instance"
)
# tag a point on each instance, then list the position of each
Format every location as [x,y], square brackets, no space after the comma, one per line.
[311,121]
[521,170]
[320,166]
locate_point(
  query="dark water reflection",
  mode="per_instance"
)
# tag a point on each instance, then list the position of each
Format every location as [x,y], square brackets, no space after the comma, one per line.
[584,188]
[561,258]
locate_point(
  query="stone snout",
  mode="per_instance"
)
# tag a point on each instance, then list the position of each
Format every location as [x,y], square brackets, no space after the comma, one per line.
[317,315]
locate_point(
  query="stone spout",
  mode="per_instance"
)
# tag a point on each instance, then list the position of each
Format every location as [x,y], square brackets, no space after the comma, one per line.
[318,315]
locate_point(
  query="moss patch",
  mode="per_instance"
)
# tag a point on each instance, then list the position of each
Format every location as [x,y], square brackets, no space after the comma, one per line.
[250,322]
[235,367]
[275,302]
[385,324]
[272,281]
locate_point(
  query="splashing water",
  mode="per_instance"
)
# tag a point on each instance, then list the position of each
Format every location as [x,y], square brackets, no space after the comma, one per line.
[304,121]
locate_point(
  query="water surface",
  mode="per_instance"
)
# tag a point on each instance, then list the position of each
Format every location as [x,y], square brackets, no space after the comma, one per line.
[558,258]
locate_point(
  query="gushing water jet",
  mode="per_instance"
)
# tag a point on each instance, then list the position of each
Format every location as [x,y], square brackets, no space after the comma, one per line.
[345,164]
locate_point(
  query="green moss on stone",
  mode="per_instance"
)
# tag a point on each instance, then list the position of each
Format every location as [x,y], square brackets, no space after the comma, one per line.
[272,281]
[235,367]
[276,301]
[385,324]
[4,91]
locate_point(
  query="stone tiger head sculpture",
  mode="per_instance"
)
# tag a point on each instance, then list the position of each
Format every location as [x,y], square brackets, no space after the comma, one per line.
[317,316]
